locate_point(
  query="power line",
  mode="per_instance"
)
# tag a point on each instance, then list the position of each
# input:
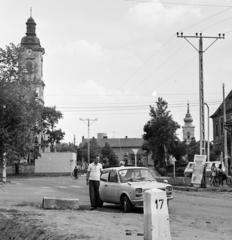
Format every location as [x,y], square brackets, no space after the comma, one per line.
[177,3]
[207,18]
[144,63]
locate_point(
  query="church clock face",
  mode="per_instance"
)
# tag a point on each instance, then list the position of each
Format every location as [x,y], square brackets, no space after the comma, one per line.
[29,51]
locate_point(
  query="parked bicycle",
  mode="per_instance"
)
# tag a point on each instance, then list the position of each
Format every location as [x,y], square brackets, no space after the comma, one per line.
[217,180]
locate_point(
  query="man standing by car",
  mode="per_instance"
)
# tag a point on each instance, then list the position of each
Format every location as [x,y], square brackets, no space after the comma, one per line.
[93,181]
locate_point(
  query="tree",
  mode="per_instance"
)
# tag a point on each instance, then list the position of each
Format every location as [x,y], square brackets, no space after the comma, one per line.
[95,149]
[20,112]
[108,153]
[178,149]
[51,117]
[192,149]
[66,147]
[160,131]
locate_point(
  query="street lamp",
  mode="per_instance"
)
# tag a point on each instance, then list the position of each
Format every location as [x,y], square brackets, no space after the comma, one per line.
[208,152]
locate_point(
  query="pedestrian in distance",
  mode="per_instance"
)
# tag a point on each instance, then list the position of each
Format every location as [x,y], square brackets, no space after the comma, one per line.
[220,174]
[213,173]
[75,172]
[121,164]
[93,181]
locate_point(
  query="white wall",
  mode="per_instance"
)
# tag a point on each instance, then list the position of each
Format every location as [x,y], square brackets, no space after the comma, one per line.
[55,162]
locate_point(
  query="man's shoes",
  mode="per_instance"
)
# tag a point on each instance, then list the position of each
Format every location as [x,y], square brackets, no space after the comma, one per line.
[93,208]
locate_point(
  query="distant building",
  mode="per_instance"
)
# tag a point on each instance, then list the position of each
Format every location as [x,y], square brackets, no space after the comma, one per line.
[188,128]
[218,117]
[123,148]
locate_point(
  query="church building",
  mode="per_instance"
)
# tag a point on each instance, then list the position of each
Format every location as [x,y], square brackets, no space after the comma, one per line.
[188,128]
[31,58]
[31,63]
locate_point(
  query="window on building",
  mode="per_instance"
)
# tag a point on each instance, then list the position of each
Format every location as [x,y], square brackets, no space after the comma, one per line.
[188,135]
[222,128]
[216,129]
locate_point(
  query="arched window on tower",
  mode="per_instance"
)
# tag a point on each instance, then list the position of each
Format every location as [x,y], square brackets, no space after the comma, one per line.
[188,135]
[29,67]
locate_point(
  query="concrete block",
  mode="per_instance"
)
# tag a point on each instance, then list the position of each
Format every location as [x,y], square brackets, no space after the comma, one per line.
[60,203]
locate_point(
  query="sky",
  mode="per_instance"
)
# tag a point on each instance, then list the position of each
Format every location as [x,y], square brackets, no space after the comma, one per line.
[109,60]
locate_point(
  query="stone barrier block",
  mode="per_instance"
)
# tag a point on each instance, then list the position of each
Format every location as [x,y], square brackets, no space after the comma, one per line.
[60,203]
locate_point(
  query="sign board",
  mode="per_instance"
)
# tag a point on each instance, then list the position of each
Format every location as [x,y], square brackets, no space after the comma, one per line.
[198,168]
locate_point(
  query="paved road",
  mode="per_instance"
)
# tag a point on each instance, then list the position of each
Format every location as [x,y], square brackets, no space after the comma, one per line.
[193,215]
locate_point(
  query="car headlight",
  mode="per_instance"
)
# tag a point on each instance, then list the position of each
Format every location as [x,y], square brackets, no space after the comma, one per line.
[138,190]
[169,188]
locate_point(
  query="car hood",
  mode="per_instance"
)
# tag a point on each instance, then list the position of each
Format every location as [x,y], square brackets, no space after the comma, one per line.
[148,185]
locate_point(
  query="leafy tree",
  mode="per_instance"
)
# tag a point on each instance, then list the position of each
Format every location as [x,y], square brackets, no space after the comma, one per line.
[95,149]
[66,147]
[192,149]
[108,153]
[19,110]
[178,149]
[160,131]
[51,117]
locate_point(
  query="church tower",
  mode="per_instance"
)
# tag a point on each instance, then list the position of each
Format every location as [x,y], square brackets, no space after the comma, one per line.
[31,58]
[31,64]
[188,128]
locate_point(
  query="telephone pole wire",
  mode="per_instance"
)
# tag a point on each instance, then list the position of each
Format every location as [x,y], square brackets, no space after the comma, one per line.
[201,81]
[88,122]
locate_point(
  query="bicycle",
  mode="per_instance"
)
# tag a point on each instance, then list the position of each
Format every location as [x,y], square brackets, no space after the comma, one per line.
[217,180]
[73,176]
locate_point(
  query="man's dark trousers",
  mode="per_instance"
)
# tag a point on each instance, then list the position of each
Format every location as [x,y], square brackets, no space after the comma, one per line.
[94,193]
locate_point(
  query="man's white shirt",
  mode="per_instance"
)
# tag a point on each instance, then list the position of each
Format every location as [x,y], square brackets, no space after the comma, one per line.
[95,171]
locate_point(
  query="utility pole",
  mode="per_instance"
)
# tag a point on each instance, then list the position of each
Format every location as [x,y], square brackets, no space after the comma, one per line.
[74,141]
[88,122]
[208,147]
[201,82]
[225,131]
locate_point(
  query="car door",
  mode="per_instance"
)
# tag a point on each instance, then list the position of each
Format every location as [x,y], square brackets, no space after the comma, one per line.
[112,187]
[103,185]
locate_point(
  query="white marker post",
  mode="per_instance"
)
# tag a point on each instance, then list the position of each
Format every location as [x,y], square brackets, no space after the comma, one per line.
[135,150]
[156,217]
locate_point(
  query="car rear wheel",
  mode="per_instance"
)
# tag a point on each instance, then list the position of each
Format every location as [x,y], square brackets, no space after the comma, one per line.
[127,204]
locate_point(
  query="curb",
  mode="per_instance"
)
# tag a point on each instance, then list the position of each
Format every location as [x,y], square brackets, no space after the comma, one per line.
[208,189]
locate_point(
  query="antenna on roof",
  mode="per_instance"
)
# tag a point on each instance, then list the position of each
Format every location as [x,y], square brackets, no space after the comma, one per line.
[31,12]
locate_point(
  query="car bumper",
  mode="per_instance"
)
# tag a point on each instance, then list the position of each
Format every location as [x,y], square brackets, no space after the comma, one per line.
[139,202]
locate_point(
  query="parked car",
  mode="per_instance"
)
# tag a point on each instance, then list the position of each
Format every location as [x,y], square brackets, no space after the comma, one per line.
[125,186]
[189,168]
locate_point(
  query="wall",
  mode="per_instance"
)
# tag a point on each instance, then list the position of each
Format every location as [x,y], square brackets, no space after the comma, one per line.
[54,162]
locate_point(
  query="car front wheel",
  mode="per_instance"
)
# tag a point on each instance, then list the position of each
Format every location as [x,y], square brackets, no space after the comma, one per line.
[127,204]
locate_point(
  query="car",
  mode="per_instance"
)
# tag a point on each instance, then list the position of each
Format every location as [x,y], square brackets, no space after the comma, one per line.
[125,186]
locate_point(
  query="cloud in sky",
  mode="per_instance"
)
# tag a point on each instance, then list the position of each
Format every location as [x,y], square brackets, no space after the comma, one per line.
[151,15]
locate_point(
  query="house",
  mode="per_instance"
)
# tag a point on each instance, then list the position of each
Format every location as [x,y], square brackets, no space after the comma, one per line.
[123,148]
[218,117]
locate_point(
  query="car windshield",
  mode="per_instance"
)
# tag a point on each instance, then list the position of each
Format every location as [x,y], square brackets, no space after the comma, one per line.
[135,175]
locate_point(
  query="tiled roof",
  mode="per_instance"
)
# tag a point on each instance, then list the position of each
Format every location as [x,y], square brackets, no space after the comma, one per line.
[228,101]
[119,142]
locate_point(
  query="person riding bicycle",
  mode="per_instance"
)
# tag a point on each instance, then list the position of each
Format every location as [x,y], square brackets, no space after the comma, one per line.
[75,172]
[213,173]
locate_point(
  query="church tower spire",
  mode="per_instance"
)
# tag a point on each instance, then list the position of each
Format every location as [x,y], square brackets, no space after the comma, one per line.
[188,128]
